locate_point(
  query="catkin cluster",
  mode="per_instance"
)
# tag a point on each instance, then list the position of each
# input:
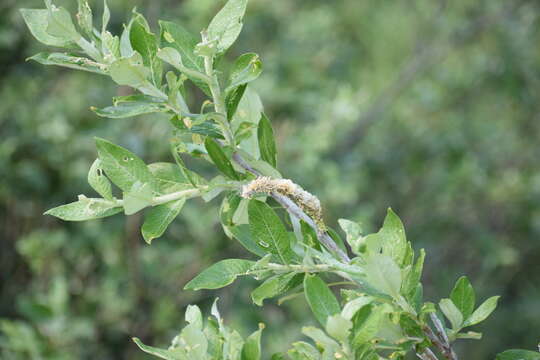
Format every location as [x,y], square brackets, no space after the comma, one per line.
[308,202]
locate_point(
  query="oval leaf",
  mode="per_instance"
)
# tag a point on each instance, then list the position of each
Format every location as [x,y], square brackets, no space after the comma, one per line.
[268,231]
[220,274]
[85,209]
[321,300]
[463,296]
[267,144]
[483,311]
[122,166]
[227,24]
[275,286]
[219,158]
[157,219]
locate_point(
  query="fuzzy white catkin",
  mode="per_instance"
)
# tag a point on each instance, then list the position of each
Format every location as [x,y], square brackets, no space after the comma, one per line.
[286,187]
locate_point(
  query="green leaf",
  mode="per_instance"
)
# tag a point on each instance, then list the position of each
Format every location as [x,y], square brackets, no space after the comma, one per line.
[243,235]
[321,300]
[207,128]
[227,24]
[463,296]
[383,274]
[37,21]
[160,353]
[170,178]
[176,37]
[137,198]
[220,159]
[126,50]
[220,274]
[122,166]
[366,324]
[98,181]
[129,72]
[453,314]
[68,61]
[353,231]
[338,327]
[276,286]
[246,68]
[145,43]
[106,17]
[413,277]
[516,354]
[85,209]
[232,99]
[159,218]
[267,144]
[322,340]
[59,24]
[84,17]
[252,347]
[351,307]
[179,39]
[390,240]
[268,231]
[249,110]
[130,109]
[482,312]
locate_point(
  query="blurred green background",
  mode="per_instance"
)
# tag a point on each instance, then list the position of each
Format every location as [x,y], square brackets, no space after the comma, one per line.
[428,106]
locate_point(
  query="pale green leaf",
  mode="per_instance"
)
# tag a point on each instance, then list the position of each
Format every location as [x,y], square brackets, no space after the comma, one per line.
[452,313]
[246,68]
[85,209]
[338,327]
[412,279]
[98,181]
[321,300]
[129,71]
[227,24]
[137,198]
[249,110]
[37,21]
[59,24]
[252,347]
[160,353]
[130,109]
[353,234]
[84,17]
[482,312]
[276,286]
[106,17]
[69,61]
[350,308]
[383,274]
[220,274]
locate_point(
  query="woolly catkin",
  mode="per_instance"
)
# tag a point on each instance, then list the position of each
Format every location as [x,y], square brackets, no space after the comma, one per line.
[308,202]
